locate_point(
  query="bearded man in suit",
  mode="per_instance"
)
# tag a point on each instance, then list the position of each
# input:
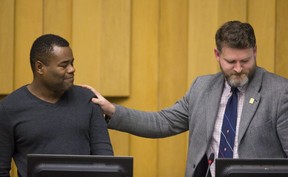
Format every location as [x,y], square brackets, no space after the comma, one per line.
[262,107]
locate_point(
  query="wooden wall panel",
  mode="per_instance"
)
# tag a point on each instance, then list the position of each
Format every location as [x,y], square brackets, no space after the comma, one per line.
[144,80]
[281,47]
[101,41]
[231,10]
[261,15]
[86,29]
[173,59]
[28,26]
[6,45]
[58,18]
[203,23]
[115,47]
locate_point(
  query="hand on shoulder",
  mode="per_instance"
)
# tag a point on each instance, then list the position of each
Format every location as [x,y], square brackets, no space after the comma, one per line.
[105,105]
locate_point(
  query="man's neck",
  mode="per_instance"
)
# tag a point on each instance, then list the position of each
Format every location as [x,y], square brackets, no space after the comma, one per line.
[44,93]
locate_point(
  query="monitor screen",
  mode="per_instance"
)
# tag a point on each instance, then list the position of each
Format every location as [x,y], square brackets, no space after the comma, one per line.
[251,167]
[46,165]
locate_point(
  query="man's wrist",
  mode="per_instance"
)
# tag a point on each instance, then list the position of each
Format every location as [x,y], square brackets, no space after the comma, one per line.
[111,110]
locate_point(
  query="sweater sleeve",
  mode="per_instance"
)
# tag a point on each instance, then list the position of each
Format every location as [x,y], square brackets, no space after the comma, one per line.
[6,144]
[100,140]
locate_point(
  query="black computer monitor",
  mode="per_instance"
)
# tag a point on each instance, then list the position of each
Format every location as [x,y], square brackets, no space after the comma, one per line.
[251,167]
[46,165]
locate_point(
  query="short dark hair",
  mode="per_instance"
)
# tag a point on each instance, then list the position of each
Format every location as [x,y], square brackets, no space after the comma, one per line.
[235,34]
[42,48]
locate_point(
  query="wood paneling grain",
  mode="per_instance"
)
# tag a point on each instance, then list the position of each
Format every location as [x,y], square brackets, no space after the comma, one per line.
[203,22]
[101,41]
[6,46]
[173,60]
[144,80]
[281,47]
[28,26]
[57,17]
[261,15]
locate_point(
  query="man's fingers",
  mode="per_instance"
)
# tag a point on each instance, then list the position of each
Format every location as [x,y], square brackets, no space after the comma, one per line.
[95,100]
[106,106]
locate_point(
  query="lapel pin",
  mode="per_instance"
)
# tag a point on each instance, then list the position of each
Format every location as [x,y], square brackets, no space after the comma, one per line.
[251,101]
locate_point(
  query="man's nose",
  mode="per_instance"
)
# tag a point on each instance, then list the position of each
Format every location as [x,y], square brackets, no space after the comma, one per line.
[71,69]
[238,67]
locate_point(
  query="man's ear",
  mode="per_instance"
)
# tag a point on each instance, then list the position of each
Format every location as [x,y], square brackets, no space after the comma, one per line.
[255,51]
[39,67]
[217,54]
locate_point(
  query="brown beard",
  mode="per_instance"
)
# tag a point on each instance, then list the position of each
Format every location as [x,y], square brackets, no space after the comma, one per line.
[237,80]
[241,79]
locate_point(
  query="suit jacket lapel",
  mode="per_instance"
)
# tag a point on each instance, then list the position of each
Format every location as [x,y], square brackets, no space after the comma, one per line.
[212,100]
[251,102]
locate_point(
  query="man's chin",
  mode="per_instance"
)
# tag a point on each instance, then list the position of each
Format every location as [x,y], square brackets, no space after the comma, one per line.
[68,86]
[238,82]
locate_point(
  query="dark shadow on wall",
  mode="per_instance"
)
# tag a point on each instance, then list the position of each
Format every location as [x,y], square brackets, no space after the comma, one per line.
[2,96]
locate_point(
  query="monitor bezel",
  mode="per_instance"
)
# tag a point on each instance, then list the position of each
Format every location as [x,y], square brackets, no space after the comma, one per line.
[268,167]
[59,164]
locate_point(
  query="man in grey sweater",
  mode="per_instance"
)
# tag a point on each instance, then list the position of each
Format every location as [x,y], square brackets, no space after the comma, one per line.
[50,115]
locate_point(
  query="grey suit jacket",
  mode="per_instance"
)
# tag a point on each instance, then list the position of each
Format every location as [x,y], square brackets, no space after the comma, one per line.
[263,131]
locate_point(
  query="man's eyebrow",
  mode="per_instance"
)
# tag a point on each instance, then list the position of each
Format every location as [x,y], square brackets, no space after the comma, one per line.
[229,59]
[68,60]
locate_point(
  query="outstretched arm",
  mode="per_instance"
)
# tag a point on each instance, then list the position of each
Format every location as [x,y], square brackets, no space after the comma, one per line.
[105,105]
[164,123]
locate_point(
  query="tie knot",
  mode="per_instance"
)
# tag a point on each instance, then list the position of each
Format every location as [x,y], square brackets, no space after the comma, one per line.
[234,90]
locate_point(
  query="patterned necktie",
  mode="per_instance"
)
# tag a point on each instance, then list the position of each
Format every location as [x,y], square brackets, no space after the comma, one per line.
[229,126]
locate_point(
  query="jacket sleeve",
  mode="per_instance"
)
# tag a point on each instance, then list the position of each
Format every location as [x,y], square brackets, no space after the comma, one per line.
[282,120]
[164,123]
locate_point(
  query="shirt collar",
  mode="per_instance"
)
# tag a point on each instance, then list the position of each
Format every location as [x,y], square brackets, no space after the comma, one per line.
[241,89]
